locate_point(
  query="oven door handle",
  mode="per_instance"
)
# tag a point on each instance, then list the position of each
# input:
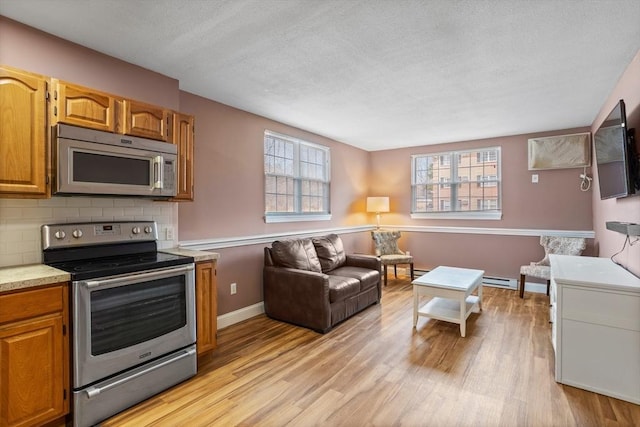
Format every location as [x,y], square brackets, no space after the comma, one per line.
[93,391]
[138,277]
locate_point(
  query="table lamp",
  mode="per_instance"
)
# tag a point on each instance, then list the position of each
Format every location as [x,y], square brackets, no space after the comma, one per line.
[377,205]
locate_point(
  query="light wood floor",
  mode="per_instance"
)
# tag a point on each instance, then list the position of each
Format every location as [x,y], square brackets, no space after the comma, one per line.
[376,370]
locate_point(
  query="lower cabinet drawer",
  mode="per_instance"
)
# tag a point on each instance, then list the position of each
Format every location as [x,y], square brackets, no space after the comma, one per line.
[609,308]
[27,304]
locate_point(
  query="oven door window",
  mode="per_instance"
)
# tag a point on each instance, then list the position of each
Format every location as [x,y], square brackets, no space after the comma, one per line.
[127,315]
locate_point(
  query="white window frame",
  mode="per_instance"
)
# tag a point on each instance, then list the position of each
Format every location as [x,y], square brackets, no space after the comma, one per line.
[486,181]
[297,214]
[485,157]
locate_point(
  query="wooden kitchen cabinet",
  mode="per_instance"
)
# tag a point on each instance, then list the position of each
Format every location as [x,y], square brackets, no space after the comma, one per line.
[34,356]
[206,306]
[31,105]
[24,140]
[145,120]
[183,136]
[82,106]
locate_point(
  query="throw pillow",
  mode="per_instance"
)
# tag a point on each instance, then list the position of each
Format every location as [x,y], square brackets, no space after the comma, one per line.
[296,253]
[330,251]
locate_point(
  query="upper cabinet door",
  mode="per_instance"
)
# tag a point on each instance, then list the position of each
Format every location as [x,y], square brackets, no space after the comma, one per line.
[23,136]
[146,120]
[183,138]
[81,106]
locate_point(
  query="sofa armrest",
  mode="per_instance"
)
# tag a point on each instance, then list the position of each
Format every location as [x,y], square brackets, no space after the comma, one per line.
[364,261]
[297,296]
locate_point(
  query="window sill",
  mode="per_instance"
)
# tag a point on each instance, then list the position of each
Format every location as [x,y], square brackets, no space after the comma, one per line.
[269,219]
[488,215]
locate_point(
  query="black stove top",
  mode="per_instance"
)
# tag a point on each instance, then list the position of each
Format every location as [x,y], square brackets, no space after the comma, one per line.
[94,250]
[110,266]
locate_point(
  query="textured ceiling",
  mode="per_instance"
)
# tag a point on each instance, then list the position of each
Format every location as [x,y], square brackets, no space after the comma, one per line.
[375,74]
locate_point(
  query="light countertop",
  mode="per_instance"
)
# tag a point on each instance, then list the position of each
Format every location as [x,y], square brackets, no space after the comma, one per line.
[197,255]
[27,276]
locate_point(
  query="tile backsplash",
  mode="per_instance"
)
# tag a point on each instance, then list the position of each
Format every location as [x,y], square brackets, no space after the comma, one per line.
[21,219]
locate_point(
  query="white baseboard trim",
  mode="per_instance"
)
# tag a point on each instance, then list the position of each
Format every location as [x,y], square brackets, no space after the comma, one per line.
[238,316]
[502,282]
[540,288]
[245,313]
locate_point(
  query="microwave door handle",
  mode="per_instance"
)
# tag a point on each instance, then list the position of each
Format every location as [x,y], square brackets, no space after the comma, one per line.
[158,172]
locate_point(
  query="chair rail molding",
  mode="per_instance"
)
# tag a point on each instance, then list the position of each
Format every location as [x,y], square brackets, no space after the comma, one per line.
[231,242]
[535,232]
[258,239]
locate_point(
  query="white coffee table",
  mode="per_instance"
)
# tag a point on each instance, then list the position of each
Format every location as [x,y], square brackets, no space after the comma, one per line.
[450,289]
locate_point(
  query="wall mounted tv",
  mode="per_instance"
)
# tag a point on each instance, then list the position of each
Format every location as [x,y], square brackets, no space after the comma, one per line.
[616,157]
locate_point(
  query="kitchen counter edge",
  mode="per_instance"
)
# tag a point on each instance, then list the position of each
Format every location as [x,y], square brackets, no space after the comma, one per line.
[198,256]
[29,276]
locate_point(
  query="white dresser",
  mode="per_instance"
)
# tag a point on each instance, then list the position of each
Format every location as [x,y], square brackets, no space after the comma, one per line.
[595,311]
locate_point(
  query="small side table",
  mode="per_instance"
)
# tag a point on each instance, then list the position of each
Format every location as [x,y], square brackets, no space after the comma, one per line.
[451,291]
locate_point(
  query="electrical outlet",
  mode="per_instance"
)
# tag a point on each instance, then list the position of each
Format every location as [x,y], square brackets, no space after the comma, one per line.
[169,233]
[234,288]
[534,178]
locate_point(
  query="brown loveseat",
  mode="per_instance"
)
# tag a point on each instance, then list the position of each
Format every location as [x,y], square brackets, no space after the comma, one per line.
[311,282]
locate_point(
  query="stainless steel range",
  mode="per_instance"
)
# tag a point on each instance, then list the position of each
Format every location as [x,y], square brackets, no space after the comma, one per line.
[133,312]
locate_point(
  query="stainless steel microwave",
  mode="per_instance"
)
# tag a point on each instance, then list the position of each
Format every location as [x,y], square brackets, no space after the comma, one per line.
[92,162]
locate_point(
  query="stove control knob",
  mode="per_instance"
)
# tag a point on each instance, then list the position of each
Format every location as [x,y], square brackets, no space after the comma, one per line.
[136,230]
[60,235]
[148,229]
[77,233]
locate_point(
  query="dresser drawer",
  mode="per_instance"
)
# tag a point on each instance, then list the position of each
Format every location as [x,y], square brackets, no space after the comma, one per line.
[608,308]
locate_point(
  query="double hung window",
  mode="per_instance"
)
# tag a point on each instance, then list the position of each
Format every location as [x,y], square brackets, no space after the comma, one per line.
[472,189]
[297,179]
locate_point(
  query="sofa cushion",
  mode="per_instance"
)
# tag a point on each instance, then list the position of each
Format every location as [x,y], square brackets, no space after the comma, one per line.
[366,277]
[330,251]
[296,253]
[342,287]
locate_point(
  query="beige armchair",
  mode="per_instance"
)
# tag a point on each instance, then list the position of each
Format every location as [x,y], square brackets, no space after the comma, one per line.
[386,243]
[551,245]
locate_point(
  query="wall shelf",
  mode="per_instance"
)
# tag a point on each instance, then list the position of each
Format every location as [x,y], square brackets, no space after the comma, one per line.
[628,228]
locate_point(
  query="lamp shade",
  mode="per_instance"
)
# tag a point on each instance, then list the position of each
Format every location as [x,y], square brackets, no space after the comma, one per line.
[377,204]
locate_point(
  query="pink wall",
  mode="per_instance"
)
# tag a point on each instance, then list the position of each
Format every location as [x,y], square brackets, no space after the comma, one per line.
[229,175]
[625,209]
[229,193]
[555,203]
[33,50]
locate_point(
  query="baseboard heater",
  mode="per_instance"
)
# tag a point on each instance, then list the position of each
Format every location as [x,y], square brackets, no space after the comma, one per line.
[499,282]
